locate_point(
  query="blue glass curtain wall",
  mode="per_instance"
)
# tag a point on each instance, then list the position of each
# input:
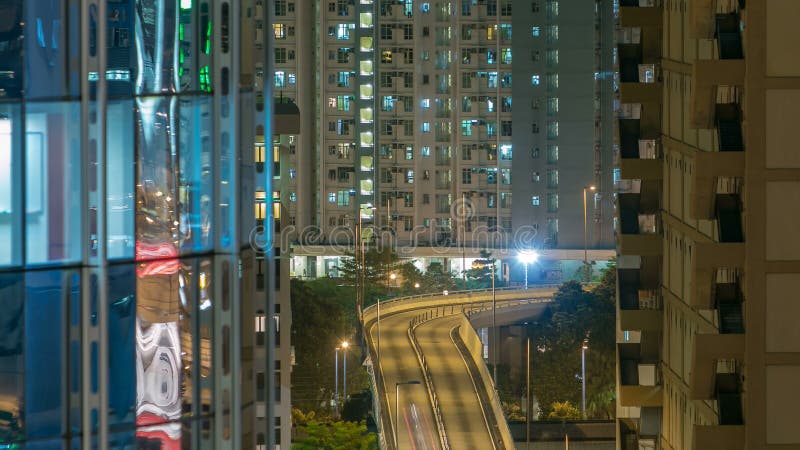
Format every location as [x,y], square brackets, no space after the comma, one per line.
[170,232]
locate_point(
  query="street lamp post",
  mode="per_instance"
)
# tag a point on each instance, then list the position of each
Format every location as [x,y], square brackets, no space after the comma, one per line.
[584,347]
[336,382]
[345,344]
[528,396]
[585,234]
[397,407]
[527,257]
[494,329]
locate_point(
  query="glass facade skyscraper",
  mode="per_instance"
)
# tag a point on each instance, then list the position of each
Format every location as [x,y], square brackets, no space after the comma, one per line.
[135,239]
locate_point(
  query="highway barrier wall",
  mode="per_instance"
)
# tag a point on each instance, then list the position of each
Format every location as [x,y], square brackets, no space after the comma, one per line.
[474,346]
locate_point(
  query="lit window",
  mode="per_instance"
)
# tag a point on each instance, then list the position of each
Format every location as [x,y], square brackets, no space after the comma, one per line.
[343,79]
[466,128]
[279,30]
[366,187]
[292,78]
[331,197]
[426,127]
[426,103]
[505,151]
[366,43]
[280,79]
[536,31]
[505,56]
[535,80]
[366,163]
[535,201]
[366,67]
[366,91]
[366,20]
[552,129]
[426,7]
[366,115]
[426,151]
[343,31]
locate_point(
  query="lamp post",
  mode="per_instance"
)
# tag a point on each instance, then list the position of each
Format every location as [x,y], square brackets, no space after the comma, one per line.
[584,347]
[494,330]
[336,382]
[528,395]
[345,344]
[585,233]
[527,257]
[397,407]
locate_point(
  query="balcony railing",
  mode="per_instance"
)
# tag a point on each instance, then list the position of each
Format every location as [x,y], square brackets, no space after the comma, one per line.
[728,212]
[729,38]
[729,127]
[729,399]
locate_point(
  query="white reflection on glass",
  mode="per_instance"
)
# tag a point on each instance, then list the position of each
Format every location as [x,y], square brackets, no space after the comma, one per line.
[158,346]
[156,35]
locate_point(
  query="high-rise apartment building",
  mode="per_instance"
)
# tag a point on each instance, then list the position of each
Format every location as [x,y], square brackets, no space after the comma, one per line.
[416,108]
[136,274]
[709,351]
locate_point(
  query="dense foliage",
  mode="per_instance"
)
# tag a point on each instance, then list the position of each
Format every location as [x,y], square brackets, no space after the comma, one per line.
[323,315]
[337,435]
[557,337]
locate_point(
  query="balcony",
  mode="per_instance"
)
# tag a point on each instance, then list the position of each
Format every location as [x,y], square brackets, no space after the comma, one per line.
[640,92]
[713,355]
[638,225]
[710,261]
[730,313]
[640,159]
[707,76]
[718,437]
[728,214]
[729,399]
[638,16]
[729,38]
[639,304]
[639,378]
[709,169]
[728,121]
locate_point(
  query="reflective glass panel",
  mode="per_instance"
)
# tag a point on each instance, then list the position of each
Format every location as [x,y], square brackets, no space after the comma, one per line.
[52,52]
[52,182]
[195,188]
[10,181]
[120,179]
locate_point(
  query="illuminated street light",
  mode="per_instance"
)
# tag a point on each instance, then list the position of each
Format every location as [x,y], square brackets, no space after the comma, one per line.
[345,344]
[585,233]
[527,257]
[583,379]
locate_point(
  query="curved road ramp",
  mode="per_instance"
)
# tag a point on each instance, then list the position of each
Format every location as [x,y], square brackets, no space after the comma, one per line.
[434,391]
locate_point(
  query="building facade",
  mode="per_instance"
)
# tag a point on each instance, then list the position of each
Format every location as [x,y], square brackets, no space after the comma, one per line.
[136,274]
[419,112]
[708,350]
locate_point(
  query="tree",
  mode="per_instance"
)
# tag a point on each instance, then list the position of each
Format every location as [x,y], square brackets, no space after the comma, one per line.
[576,315]
[437,279]
[563,411]
[334,436]
[480,275]
[323,315]
[378,264]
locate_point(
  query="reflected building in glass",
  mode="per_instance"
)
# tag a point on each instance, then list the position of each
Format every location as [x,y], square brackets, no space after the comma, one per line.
[137,281]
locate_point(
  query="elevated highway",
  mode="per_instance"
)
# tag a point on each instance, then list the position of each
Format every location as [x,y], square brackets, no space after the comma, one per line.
[428,339]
